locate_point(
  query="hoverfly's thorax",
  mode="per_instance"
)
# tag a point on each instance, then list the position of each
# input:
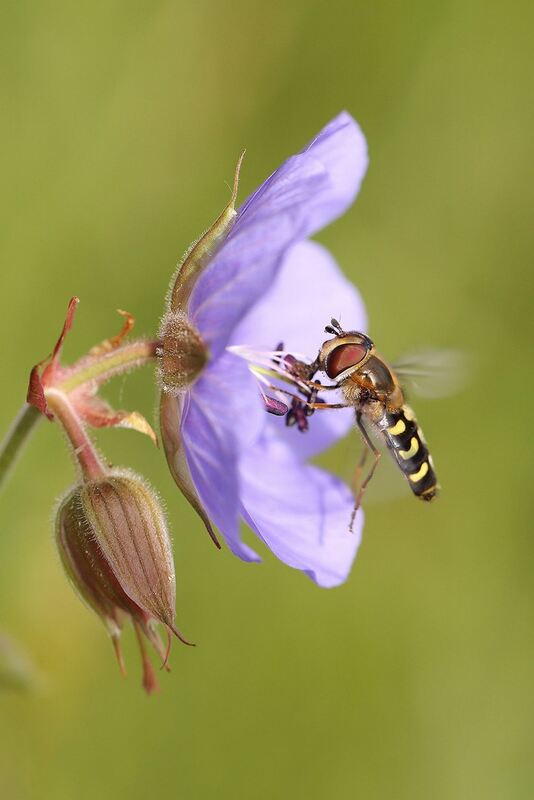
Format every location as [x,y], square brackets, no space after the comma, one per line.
[377,374]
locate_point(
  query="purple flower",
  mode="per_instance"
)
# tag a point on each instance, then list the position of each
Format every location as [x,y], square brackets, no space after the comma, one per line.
[262,283]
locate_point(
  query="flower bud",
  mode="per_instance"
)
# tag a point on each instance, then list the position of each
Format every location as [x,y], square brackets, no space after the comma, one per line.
[114,544]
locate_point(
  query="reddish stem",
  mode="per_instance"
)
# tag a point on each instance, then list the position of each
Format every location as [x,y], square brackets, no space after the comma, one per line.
[85,453]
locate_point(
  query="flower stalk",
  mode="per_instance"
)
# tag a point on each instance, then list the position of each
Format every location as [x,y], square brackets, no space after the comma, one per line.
[99,369]
[20,431]
[85,455]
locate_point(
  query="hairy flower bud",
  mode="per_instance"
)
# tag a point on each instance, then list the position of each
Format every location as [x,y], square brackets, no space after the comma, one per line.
[114,544]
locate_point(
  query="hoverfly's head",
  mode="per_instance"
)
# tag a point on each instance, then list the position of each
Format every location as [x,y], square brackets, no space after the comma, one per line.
[345,353]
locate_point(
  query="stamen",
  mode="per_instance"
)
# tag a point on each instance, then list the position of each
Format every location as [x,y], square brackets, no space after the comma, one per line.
[264,357]
[270,367]
[274,406]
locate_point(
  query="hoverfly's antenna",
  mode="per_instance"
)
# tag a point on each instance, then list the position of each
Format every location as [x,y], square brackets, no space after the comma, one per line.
[334,328]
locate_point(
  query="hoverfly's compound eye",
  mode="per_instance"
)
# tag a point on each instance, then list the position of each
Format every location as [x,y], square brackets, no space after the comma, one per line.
[343,357]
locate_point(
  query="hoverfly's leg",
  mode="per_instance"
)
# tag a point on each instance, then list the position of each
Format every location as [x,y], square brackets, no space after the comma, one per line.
[356,478]
[320,386]
[328,405]
[301,409]
[286,392]
[376,453]
[306,402]
[312,397]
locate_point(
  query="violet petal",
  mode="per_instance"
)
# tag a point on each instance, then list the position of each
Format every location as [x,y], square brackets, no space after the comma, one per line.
[309,289]
[307,192]
[301,512]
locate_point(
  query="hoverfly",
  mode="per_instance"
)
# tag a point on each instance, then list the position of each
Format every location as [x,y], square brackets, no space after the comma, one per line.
[370,386]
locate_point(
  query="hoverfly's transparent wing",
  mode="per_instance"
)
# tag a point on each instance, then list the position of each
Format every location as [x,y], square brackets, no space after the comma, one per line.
[433,373]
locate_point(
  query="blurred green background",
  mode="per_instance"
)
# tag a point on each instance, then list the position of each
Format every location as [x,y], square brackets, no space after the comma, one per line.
[120,124]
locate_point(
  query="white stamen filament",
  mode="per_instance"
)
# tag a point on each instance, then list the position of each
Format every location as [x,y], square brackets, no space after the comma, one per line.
[263,356]
[269,362]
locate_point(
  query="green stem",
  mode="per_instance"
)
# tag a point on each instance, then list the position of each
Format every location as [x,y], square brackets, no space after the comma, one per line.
[16,438]
[101,368]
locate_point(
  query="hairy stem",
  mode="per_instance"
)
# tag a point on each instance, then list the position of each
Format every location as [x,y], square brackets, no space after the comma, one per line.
[101,368]
[16,438]
[84,451]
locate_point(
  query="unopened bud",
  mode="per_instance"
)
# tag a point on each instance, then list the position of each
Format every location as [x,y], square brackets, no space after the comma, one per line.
[114,544]
[182,353]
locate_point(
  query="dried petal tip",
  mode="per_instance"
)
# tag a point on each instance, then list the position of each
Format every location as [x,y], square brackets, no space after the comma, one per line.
[114,544]
[182,354]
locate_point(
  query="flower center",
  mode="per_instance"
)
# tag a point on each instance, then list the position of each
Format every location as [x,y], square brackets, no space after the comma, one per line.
[284,381]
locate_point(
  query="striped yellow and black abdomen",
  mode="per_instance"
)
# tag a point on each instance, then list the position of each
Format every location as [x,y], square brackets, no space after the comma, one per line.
[409,449]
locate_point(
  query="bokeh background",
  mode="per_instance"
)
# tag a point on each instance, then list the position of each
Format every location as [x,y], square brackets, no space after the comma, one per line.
[120,125]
